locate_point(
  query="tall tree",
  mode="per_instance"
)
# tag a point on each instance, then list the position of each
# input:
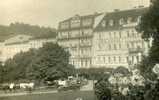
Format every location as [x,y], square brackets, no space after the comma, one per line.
[52,63]
[149,26]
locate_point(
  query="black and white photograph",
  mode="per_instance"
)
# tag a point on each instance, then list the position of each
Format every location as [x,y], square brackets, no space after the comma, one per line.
[79,49]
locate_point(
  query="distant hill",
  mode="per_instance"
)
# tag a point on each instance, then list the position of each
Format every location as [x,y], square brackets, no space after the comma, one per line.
[26,29]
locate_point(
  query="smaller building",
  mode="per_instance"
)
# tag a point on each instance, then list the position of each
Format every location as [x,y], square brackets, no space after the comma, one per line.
[20,43]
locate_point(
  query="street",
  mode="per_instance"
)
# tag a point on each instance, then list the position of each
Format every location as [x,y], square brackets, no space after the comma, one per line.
[51,95]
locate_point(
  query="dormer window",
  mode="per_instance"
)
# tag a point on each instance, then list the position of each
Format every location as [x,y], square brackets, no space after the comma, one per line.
[129,20]
[64,25]
[121,21]
[87,22]
[75,23]
[111,22]
[103,23]
[138,19]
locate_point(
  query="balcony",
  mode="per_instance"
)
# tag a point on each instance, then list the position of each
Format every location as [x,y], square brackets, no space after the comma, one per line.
[62,37]
[86,35]
[85,44]
[130,25]
[135,50]
[88,55]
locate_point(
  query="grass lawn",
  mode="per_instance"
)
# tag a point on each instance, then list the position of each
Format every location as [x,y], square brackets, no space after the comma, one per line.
[69,95]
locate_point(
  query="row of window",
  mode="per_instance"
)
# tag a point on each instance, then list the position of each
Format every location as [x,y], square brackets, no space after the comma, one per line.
[76,23]
[117,59]
[119,34]
[82,63]
[121,21]
[81,50]
[119,46]
[74,33]
[110,59]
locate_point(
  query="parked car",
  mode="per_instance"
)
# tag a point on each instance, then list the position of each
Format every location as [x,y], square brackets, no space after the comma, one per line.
[73,87]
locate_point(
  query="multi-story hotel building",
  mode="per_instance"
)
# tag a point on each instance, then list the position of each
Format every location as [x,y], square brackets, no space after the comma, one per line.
[76,35]
[116,41]
[103,40]
[20,43]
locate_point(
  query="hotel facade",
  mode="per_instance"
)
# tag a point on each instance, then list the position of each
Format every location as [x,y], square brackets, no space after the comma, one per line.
[106,40]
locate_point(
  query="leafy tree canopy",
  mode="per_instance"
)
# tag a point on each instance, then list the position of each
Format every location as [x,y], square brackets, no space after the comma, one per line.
[50,62]
[27,29]
[149,26]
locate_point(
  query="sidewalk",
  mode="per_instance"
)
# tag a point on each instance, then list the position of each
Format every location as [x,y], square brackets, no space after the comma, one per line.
[26,93]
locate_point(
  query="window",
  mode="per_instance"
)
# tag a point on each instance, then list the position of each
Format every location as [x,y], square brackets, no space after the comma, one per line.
[121,21]
[119,46]
[128,46]
[104,59]
[82,51]
[103,23]
[110,47]
[132,45]
[138,19]
[73,62]
[64,25]
[120,34]
[115,47]
[81,62]
[119,59]
[109,59]
[128,34]
[114,34]
[75,22]
[127,60]
[109,34]
[133,33]
[114,59]
[86,62]
[100,36]
[111,22]
[87,22]
[99,46]
[90,62]
[129,20]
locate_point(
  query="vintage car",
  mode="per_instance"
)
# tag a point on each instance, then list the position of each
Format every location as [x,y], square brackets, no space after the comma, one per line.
[73,87]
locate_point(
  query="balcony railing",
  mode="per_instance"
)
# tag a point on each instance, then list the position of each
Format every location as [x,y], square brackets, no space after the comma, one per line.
[135,50]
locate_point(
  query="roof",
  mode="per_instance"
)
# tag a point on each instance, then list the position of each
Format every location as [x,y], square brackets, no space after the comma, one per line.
[116,16]
[81,20]
[98,18]
[17,39]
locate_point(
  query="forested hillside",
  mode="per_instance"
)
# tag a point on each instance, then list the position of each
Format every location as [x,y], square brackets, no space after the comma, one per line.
[26,29]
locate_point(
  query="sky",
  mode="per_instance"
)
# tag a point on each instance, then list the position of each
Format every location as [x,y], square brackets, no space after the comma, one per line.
[50,12]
